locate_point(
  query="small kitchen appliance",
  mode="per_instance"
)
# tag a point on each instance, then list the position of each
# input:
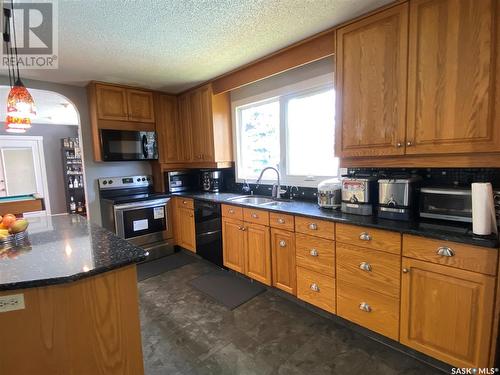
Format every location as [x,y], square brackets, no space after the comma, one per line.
[127,145]
[176,181]
[453,203]
[330,193]
[211,181]
[396,197]
[358,194]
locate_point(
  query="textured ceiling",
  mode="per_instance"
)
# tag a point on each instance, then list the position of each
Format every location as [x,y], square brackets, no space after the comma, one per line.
[172,45]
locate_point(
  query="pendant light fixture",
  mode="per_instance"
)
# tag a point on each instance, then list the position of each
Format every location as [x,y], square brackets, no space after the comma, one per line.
[20,104]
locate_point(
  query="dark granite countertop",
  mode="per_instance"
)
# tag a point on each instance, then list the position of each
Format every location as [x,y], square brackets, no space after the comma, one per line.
[427,228]
[63,249]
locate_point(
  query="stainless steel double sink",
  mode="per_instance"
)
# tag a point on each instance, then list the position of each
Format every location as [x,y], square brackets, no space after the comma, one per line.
[257,200]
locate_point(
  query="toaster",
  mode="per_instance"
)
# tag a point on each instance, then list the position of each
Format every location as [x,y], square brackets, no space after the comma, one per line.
[358,195]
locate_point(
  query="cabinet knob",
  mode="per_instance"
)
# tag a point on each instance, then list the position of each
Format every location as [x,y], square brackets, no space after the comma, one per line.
[191,215]
[313,226]
[365,266]
[255,216]
[399,144]
[445,251]
[408,143]
[184,202]
[242,228]
[314,252]
[365,307]
[231,211]
[281,221]
[406,270]
[282,243]
[365,236]
[314,287]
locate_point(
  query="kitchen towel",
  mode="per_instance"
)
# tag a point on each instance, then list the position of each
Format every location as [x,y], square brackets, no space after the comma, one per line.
[483,209]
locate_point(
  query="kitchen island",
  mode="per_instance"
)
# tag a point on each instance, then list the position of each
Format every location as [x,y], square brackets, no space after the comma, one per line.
[69,301]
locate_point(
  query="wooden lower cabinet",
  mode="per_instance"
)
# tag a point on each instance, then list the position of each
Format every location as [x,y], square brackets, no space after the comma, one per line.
[447,313]
[258,252]
[283,260]
[186,229]
[233,244]
[316,289]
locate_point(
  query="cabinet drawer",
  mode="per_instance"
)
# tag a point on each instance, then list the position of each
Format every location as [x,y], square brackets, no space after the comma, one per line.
[370,269]
[282,221]
[374,311]
[315,227]
[185,202]
[317,289]
[316,254]
[377,239]
[233,212]
[452,254]
[256,216]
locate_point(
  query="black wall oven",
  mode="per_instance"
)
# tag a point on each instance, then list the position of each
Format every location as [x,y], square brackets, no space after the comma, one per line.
[121,145]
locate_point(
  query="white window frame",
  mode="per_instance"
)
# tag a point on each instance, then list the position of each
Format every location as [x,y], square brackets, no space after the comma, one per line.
[283,94]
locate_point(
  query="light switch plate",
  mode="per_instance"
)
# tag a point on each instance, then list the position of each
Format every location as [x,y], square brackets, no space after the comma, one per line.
[12,302]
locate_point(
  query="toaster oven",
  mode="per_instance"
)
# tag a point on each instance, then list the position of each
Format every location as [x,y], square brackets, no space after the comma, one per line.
[453,204]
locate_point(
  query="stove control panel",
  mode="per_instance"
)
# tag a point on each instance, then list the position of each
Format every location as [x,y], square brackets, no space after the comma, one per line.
[106,183]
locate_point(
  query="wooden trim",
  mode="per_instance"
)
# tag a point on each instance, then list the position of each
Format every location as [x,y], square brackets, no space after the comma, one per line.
[188,165]
[94,128]
[473,160]
[126,125]
[296,55]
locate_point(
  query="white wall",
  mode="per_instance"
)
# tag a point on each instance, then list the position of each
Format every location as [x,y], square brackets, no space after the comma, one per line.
[78,96]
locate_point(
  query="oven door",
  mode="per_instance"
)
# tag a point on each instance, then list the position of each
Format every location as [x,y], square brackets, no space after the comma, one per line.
[119,145]
[142,222]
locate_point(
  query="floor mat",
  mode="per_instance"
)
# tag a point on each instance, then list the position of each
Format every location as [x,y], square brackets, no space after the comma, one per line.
[226,288]
[158,266]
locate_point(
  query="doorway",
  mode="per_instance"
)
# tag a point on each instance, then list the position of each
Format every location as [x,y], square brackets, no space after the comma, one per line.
[22,167]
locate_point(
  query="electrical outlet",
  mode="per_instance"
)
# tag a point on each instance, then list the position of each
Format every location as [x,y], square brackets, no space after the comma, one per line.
[11,302]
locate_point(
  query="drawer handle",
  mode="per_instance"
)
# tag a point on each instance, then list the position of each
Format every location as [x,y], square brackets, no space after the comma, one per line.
[363,306]
[281,221]
[365,237]
[314,252]
[184,202]
[255,216]
[314,287]
[282,243]
[445,251]
[231,211]
[365,266]
[242,228]
[313,226]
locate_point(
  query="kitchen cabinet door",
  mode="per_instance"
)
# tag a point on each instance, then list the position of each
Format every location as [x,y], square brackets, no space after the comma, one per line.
[167,128]
[283,260]
[258,252]
[206,129]
[371,67]
[186,230]
[446,313]
[451,77]
[185,139]
[111,102]
[195,115]
[233,244]
[140,106]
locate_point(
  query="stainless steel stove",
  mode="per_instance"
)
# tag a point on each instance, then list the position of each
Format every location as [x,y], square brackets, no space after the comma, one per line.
[131,209]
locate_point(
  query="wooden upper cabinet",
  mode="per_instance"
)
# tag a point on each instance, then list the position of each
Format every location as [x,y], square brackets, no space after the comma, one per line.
[447,313]
[451,77]
[140,106]
[119,103]
[111,102]
[207,119]
[371,66]
[167,128]
[185,131]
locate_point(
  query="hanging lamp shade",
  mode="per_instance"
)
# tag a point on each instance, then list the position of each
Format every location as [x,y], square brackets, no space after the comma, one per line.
[20,104]
[17,124]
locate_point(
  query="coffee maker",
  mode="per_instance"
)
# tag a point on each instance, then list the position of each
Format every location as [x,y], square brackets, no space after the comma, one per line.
[358,194]
[211,181]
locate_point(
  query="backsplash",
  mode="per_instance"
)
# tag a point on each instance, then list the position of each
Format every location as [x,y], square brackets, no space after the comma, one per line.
[462,177]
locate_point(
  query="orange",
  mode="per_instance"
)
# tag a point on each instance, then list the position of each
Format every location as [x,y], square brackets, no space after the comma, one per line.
[8,220]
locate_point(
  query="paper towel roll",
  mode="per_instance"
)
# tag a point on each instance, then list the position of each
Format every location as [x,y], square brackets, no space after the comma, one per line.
[483,209]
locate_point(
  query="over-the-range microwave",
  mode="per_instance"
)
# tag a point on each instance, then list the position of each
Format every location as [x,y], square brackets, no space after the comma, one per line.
[122,145]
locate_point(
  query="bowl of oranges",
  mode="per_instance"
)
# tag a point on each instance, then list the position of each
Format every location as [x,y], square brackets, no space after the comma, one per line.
[12,230]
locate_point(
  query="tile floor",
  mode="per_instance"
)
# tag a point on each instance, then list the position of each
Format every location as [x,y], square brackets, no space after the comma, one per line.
[186,332]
